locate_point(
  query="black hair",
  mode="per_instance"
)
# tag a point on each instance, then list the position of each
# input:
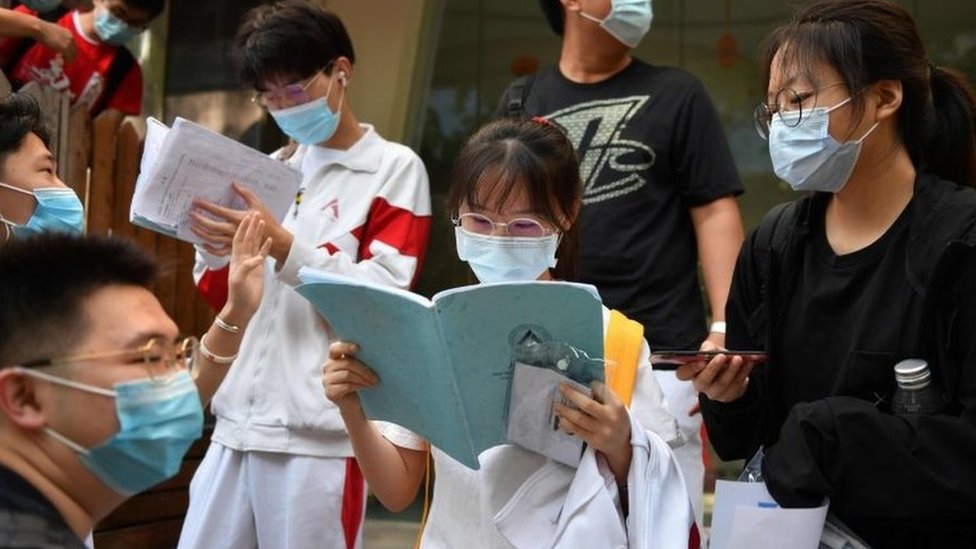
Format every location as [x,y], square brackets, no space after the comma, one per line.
[19,115]
[532,155]
[153,7]
[555,15]
[289,40]
[45,279]
[866,41]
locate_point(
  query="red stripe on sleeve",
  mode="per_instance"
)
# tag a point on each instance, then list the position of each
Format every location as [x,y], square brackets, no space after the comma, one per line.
[396,227]
[213,287]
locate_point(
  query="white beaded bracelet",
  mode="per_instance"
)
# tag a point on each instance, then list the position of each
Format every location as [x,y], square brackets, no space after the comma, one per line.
[223,325]
[216,359]
[718,327]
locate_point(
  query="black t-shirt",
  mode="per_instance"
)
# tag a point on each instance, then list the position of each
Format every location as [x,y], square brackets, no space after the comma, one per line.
[837,313]
[28,520]
[650,147]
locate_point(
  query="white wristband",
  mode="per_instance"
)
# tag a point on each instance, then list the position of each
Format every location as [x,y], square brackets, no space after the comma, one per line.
[216,359]
[718,327]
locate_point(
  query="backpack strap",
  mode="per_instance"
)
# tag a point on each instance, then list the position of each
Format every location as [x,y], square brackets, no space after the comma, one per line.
[622,348]
[519,95]
[771,235]
[122,63]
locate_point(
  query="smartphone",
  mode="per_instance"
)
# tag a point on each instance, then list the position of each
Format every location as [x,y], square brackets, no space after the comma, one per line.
[671,359]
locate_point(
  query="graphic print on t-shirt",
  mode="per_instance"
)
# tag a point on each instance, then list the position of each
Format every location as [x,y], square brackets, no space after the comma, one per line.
[52,77]
[610,166]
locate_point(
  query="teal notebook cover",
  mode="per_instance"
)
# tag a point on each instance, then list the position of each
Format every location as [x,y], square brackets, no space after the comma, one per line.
[445,364]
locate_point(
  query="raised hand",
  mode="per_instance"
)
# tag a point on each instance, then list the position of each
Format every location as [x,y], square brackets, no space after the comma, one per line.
[245,278]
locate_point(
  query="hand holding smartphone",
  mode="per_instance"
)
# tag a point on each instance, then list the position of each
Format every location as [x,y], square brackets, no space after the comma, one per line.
[672,359]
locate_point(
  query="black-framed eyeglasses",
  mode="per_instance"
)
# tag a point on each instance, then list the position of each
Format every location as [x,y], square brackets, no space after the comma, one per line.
[289,95]
[788,105]
[160,359]
[524,227]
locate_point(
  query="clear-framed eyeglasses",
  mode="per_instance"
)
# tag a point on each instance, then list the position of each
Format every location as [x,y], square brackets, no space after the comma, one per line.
[789,105]
[161,359]
[288,95]
[524,227]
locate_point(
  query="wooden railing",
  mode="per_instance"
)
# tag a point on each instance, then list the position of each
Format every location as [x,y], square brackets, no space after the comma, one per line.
[99,159]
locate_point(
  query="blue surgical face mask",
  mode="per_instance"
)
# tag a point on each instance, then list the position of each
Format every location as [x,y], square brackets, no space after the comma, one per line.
[112,30]
[313,122]
[506,258]
[157,424]
[628,20]
[41,6]
[806,156]
[58,210]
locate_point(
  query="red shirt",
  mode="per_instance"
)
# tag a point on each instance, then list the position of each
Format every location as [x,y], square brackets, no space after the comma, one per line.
[84,78]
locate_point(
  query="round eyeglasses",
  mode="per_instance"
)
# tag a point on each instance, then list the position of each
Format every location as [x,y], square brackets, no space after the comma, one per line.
[161,359]
[288,95]
[788,105]
[525,227]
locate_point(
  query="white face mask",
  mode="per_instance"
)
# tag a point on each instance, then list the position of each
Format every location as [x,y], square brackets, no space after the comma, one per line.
[506,258]
[807,157]
[628,21]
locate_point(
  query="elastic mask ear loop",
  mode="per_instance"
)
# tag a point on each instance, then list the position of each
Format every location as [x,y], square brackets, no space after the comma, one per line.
[16,189]
[342,94]
[7,227]
[7,224]
[867,133]
[839,105]
[67,383]
[66,441]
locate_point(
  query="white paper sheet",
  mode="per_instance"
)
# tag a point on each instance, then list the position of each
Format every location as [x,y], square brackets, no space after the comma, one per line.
[189,162]
[532,424]
[746,516]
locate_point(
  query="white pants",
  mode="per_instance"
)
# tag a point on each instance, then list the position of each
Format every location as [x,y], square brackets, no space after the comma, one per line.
[682,397]
[244,500]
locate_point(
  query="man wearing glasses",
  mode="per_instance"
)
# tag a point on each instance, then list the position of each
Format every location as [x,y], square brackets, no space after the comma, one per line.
[280,472]
[99,396]
[103,75]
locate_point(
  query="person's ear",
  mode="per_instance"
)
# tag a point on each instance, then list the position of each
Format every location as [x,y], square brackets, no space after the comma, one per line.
[343,69]
[571,5]
[572,215]
[18,400]
[888,96]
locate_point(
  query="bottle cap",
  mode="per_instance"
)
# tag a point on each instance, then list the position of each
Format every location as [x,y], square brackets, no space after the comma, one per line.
[912,373]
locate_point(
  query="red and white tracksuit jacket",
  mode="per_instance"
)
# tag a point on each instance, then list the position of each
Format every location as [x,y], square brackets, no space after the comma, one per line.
[364,212]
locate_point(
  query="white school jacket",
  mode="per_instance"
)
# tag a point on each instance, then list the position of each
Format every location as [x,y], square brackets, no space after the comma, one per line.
[660,514]
[363,212]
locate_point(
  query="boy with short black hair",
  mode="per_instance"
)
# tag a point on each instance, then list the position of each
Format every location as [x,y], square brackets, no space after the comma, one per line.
[99,397]
[32,197]
[280,471]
